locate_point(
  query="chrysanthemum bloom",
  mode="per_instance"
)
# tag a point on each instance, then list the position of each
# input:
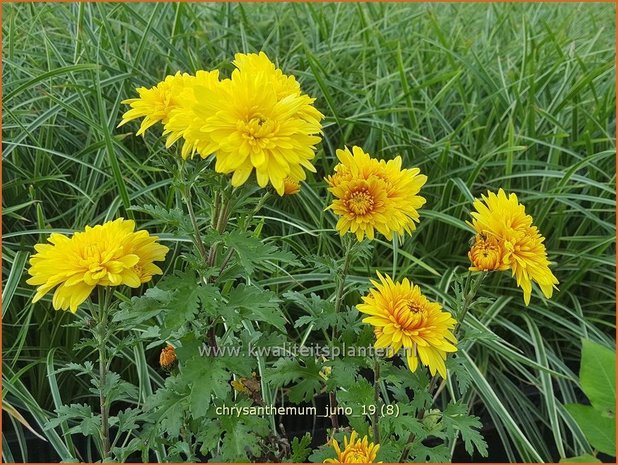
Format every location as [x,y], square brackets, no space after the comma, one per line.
[111,254]
[258,120]
[156,104]
[404,317]
[506,239]
[487,254]
[355,450]
[167,358]
[373,194]
[290,186]
[180,123]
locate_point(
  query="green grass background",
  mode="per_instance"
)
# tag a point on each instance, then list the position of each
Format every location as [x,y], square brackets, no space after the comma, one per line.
[479,96]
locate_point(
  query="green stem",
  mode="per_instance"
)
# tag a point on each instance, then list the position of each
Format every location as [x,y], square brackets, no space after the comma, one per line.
[185,192]
[469,294]
[343,274]
[221,216]
[244,228]
[103,368]
[375,418]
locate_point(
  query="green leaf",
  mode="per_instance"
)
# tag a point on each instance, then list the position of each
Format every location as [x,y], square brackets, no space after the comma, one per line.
[286,371]
[257,304]
[320,312]
[343,373]
[170,404]
[188,294]
[389,452]
[324,452]
[241,436]
[456,418]
[253,253]
[206,377]
[426,454]
[586,458]
[598,429]
[175,218]
[357,395]
[598,376]
[141,309]
[86,422]
[301,448]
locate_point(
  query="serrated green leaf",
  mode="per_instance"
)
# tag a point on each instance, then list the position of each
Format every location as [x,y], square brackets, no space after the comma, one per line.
[81,415]
[307,378]
[174,217]
[455,418]
[206,377]
[254,254]
[301,448]
[256,304]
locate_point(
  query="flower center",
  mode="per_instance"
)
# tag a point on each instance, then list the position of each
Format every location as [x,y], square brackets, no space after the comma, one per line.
[356,455]
[415,317]
[414,307]
[257,131]
[360,202]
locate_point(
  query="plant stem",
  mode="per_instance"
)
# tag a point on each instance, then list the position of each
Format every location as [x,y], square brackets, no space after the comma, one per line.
[342,275]
[469,294]
[375,418]
[244,228]
[185,192]
[220,218]
[196,230]
[102,340]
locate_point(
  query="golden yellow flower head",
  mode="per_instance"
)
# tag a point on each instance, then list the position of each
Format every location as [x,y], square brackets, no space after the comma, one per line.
[156,104]
[487,254]
[167,358]
[506,234]
[404,317]
[290,186]
[258,120]
[180,123]
[111,254]
[373,194]
[355,450]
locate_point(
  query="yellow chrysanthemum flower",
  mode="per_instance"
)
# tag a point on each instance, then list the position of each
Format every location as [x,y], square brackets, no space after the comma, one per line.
[373,194]
[355,450]
[404,317]
[282,84]
[487,254]
[111,254]
[258,120]
[157,103]
[507,239]
[180,123]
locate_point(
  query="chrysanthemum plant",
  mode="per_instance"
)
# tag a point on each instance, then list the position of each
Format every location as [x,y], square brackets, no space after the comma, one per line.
[226,334]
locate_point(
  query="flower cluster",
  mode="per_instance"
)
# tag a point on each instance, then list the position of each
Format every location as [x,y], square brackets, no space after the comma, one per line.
[111,254]
[403,317]
[258,120]
[355,450]
[506,239]
[373,194]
